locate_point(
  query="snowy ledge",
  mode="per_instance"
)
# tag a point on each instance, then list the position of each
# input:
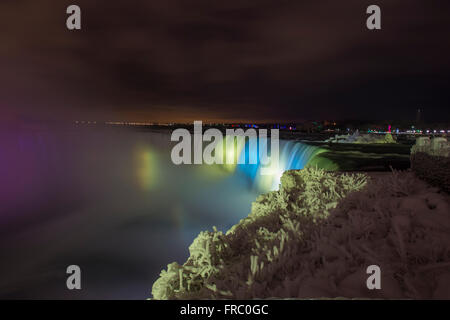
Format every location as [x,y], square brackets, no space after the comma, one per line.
[315,237]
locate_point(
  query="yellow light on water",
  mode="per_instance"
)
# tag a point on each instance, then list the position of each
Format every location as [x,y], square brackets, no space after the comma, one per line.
[146,168]
[229,150]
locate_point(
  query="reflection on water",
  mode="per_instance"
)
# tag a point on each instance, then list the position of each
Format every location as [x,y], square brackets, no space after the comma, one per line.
[114,204]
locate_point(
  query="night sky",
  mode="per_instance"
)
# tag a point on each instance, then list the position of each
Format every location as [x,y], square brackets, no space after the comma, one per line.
[258,60]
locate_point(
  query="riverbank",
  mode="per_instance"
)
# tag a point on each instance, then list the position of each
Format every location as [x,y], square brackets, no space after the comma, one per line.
[362,157]
[316,236]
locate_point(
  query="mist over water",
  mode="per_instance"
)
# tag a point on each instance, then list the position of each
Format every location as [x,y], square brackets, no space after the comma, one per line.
[113,203]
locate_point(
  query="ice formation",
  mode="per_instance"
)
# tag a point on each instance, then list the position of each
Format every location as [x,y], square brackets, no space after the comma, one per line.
[431,162]
[356,137]
[438,146]
[315,237]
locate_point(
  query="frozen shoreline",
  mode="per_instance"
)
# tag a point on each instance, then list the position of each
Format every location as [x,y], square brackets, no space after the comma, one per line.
[315,237]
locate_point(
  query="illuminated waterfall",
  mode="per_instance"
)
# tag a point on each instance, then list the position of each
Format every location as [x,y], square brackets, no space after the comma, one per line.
[293,155]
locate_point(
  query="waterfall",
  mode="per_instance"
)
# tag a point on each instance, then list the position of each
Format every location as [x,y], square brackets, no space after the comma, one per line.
[293,155]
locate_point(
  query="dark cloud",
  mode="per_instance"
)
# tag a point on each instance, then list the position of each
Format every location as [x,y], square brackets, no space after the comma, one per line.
[189,59]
